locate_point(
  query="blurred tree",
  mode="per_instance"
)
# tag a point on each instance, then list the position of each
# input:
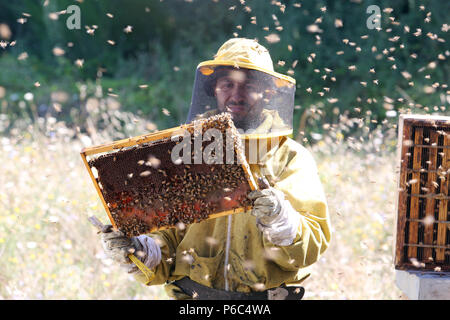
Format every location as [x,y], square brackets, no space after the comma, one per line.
[340,65]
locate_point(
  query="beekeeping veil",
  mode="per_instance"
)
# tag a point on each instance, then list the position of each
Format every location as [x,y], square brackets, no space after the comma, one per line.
[241,81]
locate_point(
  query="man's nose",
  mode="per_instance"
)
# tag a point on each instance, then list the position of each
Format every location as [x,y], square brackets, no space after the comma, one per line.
[238,92]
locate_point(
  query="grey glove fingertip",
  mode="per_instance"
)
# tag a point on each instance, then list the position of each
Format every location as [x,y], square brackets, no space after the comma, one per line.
[254,194]
[119,243]
[264,201]
[264,210]
[258,193]
[112,235]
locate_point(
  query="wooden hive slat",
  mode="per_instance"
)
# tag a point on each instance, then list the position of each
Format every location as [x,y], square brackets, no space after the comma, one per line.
[443,203]
[430,202]
[405,135]
[415,189]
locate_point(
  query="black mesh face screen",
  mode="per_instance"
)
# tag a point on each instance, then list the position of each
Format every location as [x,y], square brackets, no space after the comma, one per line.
[259,103]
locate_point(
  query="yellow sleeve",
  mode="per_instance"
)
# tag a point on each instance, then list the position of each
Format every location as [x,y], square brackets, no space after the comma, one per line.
[295,173]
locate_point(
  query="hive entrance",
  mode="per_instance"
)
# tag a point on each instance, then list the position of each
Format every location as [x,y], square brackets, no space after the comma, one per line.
[423,236]
[144,190]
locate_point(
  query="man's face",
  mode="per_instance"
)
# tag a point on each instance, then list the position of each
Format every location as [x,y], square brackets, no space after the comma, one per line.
[238,95]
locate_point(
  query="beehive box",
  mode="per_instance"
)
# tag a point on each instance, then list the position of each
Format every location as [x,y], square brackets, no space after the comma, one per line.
[143,189]
[423,218]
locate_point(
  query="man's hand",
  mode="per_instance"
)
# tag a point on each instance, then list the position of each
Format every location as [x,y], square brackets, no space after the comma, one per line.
[266,204]
[117,247]
[275,216]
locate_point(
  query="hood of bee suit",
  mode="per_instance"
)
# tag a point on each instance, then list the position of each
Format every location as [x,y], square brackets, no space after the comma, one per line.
[241,80]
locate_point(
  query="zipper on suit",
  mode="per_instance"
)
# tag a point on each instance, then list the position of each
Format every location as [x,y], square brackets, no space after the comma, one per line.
[227,253]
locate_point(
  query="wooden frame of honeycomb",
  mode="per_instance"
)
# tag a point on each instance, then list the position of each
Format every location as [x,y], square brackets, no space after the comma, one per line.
[143,191]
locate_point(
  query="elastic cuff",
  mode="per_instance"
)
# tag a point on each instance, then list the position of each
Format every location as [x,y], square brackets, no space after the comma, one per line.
[152,251]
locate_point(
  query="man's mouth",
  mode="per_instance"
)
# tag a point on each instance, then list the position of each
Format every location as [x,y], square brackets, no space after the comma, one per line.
[235,108]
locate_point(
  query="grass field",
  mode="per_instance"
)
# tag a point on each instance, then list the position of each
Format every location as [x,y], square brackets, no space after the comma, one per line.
[48,249]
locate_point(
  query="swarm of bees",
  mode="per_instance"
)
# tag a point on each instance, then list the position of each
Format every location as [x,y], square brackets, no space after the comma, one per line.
[146,191]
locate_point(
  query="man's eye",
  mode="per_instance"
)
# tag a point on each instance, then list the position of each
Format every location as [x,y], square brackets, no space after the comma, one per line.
[226,85]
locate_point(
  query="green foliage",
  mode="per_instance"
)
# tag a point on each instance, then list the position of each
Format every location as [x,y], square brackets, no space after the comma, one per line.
[169,38]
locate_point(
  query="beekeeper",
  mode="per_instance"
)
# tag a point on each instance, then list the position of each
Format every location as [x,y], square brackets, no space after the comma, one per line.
[262,254]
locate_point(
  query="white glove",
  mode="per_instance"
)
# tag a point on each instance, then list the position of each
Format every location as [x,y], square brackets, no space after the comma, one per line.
[117,247]
[275,216]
